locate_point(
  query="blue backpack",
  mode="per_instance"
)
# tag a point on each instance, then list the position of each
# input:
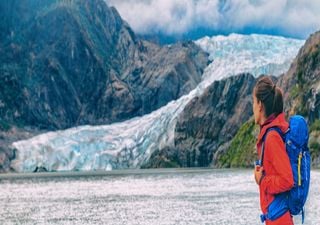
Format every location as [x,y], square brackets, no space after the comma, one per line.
[296,141]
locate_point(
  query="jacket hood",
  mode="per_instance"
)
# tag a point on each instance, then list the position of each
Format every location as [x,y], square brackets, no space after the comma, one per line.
[279,121]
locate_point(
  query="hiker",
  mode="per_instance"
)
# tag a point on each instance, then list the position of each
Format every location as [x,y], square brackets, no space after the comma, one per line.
[275,176]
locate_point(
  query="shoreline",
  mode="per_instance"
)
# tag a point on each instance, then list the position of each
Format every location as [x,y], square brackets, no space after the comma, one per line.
[118,172]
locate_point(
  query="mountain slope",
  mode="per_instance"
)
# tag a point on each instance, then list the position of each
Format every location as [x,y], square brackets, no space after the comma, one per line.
[199,140]
[301,85]
[148,141]
[297,85]
[207,123]
[213,119]
[67,63]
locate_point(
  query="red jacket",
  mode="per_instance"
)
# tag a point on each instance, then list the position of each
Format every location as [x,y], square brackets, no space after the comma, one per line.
[278,174]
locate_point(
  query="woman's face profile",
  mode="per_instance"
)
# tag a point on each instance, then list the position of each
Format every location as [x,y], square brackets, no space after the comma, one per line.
[256,108]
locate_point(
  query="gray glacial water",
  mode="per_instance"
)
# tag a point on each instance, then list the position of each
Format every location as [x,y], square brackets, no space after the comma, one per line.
[188,196]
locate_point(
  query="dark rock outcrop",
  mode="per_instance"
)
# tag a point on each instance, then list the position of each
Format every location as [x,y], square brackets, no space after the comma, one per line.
[213,119]
[65,63]
[163,158]
[9,136]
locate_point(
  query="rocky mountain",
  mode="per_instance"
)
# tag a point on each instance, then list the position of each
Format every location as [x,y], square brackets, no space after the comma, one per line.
[70,62]
[301,88]
[213,119]
[207,122]
[219,131]
[65,63]
[301,85]
[302,77]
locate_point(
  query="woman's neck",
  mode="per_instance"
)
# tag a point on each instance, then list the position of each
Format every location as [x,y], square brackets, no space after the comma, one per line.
[268,119]
[263,120]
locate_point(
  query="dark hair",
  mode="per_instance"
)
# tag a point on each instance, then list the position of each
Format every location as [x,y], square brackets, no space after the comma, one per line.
[270,96]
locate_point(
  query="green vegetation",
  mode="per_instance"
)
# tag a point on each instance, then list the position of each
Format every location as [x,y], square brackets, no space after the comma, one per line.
[314,149]
[300,77]
[315,126]
[241,152]
[294,92]
[299,93]
[315,58]
[305,67]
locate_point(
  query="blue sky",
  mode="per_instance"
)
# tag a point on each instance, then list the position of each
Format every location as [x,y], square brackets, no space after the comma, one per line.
[196,18]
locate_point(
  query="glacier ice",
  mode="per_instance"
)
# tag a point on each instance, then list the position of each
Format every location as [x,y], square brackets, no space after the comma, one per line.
[130,144]
[257,54]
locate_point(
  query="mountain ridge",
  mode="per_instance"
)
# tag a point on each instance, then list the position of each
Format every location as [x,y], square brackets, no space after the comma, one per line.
[76,62]
[88,56]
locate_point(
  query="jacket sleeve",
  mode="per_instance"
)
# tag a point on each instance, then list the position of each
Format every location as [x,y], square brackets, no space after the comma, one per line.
[276,154]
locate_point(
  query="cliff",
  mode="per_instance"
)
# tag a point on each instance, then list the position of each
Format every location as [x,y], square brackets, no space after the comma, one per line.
[69,63]
[208,122]
[65,63]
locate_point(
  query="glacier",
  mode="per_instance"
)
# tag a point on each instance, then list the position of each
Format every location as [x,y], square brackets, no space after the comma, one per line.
[130,144]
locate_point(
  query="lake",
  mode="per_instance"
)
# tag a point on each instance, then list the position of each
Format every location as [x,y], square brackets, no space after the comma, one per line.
[164,196]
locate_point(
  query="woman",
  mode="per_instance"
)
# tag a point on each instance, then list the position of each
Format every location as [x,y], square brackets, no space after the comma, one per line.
[275,176]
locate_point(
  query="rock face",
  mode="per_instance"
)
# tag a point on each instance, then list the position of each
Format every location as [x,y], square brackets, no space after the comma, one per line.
[302,77]
[65,63]
[6,138]
[301,85]
[213,119]
[73,62]
[305,69]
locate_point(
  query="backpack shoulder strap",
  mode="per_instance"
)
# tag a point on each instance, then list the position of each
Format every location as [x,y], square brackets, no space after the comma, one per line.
[264,138]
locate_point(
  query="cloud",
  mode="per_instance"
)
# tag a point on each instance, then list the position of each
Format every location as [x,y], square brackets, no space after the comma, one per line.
[295,18]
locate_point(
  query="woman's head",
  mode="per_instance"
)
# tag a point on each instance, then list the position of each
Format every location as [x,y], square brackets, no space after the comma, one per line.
[267,100]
